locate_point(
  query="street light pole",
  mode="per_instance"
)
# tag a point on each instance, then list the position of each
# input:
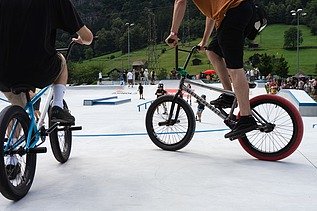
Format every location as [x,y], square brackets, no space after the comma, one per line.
[299,12]
[129,25]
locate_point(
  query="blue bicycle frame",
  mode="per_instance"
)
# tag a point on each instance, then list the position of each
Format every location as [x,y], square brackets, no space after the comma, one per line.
[34,131]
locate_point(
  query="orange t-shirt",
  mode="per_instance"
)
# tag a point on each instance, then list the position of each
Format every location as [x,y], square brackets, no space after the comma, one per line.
[216,9]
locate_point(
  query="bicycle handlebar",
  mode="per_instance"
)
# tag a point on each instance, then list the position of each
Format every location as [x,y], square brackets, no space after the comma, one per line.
[188,57]
[68,49]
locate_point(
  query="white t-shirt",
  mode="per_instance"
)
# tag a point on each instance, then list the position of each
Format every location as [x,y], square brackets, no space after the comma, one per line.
[146,73]
[130,76]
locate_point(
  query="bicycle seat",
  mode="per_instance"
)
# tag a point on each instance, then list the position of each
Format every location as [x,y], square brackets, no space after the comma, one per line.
[17,89]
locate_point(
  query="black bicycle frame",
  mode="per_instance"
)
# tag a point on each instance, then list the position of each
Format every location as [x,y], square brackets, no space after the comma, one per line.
[229,118]
[220,112]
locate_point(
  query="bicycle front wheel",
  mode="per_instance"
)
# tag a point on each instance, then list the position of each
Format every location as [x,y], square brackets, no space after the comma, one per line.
[174,134]
[283,134]
[17,168]
[61,140]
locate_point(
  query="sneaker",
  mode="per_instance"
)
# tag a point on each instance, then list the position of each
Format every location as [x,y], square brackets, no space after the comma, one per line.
[61,115]
[223,101]
[13,171]
[245,124]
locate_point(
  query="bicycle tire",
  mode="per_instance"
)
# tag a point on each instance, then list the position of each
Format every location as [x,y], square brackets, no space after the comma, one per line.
[286,135]
[176,136]
[17,187]
[61,140]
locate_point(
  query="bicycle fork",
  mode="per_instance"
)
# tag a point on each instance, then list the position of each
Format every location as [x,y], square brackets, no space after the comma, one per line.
[170,121]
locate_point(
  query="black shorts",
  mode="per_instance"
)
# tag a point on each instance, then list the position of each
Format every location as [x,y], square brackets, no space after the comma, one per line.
[228,42]
[37,78]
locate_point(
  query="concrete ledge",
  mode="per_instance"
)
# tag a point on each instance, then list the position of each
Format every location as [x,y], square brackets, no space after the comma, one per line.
[91,102]
[305,104]
[113,100]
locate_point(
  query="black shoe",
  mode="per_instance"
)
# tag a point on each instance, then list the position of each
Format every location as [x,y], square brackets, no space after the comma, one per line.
[223,101]
[245,124]
[61,115]
[13,170]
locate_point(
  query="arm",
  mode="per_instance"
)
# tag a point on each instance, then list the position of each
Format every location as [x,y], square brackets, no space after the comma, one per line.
[84,36]
[178,15]
[209,26]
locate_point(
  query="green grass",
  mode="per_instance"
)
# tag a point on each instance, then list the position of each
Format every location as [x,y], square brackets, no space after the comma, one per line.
[271,42]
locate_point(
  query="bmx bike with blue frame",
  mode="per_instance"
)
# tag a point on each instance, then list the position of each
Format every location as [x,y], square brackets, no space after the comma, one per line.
[279,124]
[21,137]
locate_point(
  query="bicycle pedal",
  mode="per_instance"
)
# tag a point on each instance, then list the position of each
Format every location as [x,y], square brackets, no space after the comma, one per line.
[38,150]
[233,138]
[66,124]
[76,128]
[236,137]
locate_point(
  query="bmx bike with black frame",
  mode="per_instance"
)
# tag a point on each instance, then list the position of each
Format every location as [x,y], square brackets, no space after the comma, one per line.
[21,137]
[279,124]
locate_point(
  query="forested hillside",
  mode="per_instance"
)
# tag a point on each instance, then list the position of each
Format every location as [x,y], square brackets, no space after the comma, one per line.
[151,18]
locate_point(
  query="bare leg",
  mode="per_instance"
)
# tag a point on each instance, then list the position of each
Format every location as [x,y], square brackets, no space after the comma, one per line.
[58,113]
[241,89]
[63,76]
[59,86]
[19,100]
[220,67]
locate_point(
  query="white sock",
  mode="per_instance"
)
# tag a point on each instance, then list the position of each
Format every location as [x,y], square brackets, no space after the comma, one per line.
[58,94]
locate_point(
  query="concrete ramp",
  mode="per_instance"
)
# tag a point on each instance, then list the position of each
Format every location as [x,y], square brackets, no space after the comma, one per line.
[305,104]
[113,100]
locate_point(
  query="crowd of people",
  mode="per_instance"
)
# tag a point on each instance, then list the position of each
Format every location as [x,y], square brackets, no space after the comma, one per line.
[308,84]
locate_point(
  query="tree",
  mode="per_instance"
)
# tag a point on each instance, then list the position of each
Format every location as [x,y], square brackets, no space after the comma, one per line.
[270,64]
[312,16]
[161,74]
[266,65]
[290,38]
[107,42]
[280,67]
[89,53]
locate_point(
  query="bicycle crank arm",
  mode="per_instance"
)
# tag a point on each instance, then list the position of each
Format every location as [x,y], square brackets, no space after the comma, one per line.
[52,128]
[267,128]
[168,123]
[70,128]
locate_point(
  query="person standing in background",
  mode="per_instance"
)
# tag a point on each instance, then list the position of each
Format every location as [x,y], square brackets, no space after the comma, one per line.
[140,89]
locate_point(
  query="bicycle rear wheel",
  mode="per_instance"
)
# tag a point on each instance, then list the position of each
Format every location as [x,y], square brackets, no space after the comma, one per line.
[17,168]
[284,133]
[61,140]
[170,136]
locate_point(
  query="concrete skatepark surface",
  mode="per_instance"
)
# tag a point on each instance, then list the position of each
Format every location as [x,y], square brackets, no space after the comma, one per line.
[115,166]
